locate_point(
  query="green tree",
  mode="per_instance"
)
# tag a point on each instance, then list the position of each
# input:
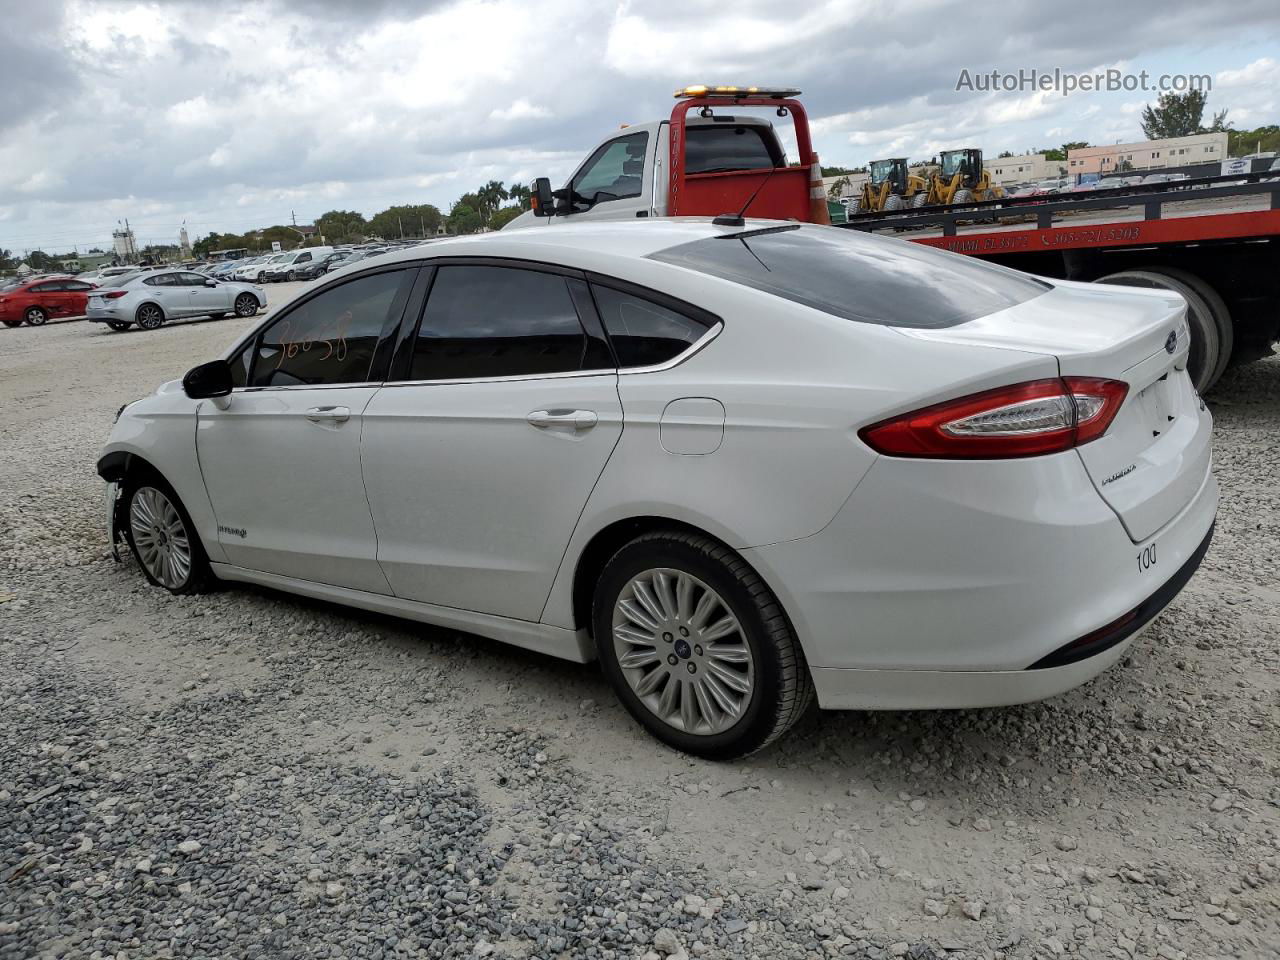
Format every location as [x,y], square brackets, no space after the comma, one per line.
[1174,115]
[504,215]
[42,262]
[489,198]
[464,218]
[7,261]
[287,237]
[409,220]
[520,193]
[341,226]
[1264,139]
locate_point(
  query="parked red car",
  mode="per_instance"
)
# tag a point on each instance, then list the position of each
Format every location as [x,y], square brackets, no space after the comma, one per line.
[35,301]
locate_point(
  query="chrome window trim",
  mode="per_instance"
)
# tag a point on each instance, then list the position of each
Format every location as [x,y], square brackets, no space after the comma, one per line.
[711,333]
[693,348]
[309,386]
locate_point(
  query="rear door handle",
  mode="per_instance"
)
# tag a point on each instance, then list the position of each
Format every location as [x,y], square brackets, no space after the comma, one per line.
[576,419]
[329,414]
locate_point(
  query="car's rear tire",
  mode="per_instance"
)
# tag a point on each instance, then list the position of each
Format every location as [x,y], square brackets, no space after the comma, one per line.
[246,305]
[261,276]
[149,316]
[1205,344]
[35,316]
[163,538]
[119,326]
[697,647]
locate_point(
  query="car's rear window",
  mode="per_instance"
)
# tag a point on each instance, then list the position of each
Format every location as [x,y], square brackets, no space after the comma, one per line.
[857,276]
[715,147]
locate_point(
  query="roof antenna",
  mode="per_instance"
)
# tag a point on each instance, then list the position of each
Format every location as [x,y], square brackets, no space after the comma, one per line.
[737,219]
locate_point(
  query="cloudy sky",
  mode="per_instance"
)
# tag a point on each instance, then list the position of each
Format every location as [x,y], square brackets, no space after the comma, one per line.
[232,115]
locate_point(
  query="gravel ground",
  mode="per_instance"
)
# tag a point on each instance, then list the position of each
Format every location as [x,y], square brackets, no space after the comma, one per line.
[245,774]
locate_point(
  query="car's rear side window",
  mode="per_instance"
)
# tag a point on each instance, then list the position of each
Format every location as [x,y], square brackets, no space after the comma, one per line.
[857,276]
[644,333]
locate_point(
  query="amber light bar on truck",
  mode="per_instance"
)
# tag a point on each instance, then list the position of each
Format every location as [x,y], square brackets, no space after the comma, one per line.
[703,90]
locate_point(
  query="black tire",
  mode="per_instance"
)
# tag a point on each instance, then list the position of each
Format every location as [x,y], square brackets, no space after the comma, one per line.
[261,276]
[35,317]
[149,316]
[783,689]
[119,326]
[291,276]
[200,577]
[1203,359]
[963,195]
[1217,308]
[246,305]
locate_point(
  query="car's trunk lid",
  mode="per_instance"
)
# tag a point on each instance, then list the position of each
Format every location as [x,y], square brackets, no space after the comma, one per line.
[1153,458]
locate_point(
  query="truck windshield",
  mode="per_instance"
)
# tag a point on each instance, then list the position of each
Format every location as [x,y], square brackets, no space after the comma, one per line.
[859,277]
[716,147]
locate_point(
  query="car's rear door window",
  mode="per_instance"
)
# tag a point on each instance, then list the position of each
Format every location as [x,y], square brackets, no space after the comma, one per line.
[485,322]
[859,277]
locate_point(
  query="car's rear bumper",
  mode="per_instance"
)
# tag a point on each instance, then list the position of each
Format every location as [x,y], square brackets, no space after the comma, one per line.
[850,688]
[962,585]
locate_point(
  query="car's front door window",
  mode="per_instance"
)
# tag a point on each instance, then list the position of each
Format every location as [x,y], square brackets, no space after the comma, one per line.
[330,338]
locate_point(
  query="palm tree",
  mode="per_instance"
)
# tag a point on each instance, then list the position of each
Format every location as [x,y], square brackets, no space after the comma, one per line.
[520,193]
[490,197]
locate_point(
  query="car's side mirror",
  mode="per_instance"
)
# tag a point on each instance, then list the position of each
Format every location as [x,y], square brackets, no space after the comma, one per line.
[542,199]
[212,379]
[211,282]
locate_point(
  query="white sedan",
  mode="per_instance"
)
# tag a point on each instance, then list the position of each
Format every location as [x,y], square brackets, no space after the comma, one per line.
[150,298]
[741,466]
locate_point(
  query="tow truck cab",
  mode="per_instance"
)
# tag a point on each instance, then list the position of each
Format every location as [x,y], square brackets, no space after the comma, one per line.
[704,164]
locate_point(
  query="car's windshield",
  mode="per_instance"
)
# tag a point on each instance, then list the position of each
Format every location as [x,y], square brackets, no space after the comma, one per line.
[858,277]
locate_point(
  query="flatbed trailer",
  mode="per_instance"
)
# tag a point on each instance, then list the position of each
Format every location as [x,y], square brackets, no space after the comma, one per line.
[1215,240]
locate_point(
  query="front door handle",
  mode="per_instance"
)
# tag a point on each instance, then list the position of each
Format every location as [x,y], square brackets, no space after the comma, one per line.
[576,419]
[329,414]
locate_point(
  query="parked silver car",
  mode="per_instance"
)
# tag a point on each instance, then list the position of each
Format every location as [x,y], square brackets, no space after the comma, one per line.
[150,298]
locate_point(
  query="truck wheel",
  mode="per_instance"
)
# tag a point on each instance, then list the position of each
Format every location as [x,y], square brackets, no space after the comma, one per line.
[919,199]
[1203,359]
[1217,308]
[962,196]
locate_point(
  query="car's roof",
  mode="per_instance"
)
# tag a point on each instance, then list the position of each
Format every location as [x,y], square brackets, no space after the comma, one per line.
[569,242]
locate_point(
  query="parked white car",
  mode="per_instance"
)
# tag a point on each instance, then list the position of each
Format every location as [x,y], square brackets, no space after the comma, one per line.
[740,466]
[152,297]
[254,271]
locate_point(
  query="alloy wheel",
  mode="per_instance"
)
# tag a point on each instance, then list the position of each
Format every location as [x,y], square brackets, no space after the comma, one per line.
[149,316]
[246,305]
[36,316]
[682,651]
[160,537]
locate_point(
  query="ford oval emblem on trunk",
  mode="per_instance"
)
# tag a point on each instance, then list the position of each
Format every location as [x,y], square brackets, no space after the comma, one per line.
[1171,343]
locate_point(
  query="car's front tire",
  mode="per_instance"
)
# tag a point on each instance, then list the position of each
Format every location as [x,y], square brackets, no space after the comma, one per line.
[246,305]
[697,647]
[149,316]
[35,316]
[163,538]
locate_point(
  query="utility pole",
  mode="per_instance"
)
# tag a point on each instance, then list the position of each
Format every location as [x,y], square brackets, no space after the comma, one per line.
[293,217]
[401,224]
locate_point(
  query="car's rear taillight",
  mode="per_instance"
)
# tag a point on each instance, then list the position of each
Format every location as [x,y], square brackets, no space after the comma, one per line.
[115,294]
[1023,420]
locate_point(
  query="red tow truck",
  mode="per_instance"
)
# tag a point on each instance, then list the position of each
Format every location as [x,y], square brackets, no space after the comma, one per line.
[1215,240]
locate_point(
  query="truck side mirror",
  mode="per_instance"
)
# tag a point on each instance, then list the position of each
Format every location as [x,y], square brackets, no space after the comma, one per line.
[541,199]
